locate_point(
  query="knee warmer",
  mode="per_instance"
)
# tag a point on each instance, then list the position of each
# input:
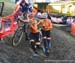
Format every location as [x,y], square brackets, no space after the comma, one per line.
[48,43]
[33,46]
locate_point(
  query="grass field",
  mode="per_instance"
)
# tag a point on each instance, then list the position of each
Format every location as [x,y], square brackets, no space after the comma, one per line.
[5,0]
[8,7]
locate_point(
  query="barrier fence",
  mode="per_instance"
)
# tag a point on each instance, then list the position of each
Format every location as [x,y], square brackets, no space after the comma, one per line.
[8,24]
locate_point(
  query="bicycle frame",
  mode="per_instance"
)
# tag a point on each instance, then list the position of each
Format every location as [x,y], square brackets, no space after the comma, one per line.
[19,34]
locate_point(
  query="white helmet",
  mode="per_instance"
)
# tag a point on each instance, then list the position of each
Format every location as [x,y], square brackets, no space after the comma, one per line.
[44,15]
[38,14]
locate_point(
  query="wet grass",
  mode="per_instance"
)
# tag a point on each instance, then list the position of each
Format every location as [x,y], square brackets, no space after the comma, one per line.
[8,7]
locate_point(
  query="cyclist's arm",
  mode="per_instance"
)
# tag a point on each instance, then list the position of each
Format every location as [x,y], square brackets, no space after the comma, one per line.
[17,6]
[39,22]
[20,18]
[26,20]
[51,26]
[23,20]
[32,27]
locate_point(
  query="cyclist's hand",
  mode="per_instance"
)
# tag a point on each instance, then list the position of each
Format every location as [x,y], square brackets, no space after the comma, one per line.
[25,20]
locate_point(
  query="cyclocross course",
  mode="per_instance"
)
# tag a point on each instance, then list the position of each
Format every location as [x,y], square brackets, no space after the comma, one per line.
[62,51]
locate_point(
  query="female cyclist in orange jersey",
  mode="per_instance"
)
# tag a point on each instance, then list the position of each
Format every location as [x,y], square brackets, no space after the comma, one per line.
[46,27]
[34,36]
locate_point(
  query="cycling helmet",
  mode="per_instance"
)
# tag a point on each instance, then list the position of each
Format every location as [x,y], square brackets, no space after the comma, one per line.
[38,15]
[44,15]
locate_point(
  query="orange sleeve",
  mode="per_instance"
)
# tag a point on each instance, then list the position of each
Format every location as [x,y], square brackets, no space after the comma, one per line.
[50,24]
[40,22]
[32,27]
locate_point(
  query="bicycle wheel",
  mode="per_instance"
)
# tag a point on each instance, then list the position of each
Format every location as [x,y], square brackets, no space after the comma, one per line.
[17,36]
[27,32]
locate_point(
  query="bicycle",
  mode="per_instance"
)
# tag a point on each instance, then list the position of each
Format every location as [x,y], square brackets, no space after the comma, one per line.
[19,34]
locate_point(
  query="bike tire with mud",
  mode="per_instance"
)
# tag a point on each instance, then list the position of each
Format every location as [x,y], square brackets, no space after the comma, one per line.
[17,36]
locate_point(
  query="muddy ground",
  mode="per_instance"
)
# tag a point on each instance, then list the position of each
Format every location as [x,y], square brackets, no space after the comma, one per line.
[62,51]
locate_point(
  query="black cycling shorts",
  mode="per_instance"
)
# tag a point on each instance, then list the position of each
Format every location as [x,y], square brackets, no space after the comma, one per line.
[46,33]
[34,36]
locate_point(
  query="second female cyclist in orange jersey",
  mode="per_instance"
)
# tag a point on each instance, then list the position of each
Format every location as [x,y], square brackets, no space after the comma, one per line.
[46,28]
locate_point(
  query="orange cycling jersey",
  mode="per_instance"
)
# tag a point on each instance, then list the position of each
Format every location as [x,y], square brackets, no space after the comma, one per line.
[46,24]
[33,26]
